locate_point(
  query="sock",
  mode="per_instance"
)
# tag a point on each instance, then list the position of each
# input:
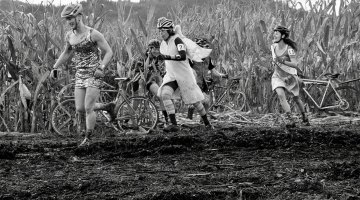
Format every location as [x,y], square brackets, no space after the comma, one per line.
[304,118]
[89,133]
[205,119]
[172,119]
[200,108]
[166,117]
[191,112]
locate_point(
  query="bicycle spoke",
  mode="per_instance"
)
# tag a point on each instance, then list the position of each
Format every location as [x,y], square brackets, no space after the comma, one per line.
[138,113]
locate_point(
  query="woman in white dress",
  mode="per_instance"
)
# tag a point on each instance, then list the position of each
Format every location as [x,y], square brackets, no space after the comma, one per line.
[179,78]
[285,76]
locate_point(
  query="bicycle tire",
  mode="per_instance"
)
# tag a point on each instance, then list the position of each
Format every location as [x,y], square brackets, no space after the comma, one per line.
[64,123]
[66,92]
[237,100]
[63,118]
[145,118]
[348,93]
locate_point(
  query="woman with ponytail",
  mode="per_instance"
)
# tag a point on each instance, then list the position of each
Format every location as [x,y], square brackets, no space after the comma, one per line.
[285,77]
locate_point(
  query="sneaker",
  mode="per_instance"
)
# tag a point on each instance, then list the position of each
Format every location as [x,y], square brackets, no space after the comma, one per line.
[306,122]
[85,142]
[209,127]
[171,128]
[82,133]
[290,121]
[290,125]
[190,112]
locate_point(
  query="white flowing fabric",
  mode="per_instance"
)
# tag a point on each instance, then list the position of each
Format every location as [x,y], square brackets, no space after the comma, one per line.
[193,50]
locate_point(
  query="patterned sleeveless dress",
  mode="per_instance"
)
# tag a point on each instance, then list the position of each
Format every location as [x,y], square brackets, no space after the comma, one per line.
[86,60]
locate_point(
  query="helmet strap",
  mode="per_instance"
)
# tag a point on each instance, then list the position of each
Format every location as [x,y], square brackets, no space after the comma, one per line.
[76,24]
[278,41]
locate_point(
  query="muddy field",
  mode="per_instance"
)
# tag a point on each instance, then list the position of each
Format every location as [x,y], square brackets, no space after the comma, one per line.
[232,162]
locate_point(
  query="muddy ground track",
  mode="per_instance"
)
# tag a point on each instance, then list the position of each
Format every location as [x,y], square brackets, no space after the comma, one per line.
[321,162]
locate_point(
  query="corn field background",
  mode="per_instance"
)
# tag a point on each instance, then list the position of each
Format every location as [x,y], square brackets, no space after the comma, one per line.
[241,32]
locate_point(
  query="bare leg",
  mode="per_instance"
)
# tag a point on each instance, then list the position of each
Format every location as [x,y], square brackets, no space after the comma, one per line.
[166,94]
[80,109]
[92,94]
[200,108]
[282,98]
[154,90]
[285,105]
[300,105]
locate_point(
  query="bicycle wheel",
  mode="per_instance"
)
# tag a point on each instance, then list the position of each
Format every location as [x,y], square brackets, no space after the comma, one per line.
[66,92]
[237,100]
[347,93]
[137,113]
[316,93]
[63,118]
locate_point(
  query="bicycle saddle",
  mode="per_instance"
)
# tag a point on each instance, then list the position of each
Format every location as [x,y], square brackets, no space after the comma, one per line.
[333,76]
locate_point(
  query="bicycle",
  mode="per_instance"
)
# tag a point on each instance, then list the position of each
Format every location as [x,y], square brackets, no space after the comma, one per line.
[226,98]
[325,94]
[132,113]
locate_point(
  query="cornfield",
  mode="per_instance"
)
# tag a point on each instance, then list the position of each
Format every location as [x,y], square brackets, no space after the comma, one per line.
[241,32]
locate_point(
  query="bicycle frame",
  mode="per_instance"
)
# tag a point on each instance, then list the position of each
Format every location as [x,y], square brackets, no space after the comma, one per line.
[121,97]
[328,86]
[219,99]
[349,81]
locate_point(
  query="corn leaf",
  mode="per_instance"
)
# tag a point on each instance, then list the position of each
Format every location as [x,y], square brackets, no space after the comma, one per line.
[143,28]
[337,26]
[36,96]
[326,36]
[346,26]
[307,28]
[2,96]
[263,26]
[24,93]
[139,47]
[12,49]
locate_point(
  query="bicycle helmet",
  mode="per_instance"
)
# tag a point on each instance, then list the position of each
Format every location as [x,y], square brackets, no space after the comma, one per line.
[72,10]
[164,23]
[154,43]
[203,42]
[283,30]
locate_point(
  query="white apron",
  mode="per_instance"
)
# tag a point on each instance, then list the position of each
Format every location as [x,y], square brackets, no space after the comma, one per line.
[182,73]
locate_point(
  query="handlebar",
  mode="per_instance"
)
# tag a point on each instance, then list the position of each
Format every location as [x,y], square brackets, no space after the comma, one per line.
[332,76]
[122,79]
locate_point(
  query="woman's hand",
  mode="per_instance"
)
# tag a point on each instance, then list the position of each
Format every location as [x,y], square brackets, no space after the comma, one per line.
[54,73]
[99,73]
[280,60]
[224,76]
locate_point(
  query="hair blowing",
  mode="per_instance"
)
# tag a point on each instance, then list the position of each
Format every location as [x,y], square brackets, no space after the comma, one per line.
[290,42]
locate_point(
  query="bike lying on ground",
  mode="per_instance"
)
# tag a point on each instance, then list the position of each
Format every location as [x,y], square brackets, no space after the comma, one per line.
[132,113]
[328,94]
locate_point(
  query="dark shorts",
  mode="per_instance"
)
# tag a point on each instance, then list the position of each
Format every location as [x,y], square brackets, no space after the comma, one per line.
[173,84]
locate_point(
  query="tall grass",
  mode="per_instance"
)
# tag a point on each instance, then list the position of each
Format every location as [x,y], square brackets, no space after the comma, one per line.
[241,33]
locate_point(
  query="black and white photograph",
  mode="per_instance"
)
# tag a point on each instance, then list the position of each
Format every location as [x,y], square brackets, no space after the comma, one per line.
[180,99]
